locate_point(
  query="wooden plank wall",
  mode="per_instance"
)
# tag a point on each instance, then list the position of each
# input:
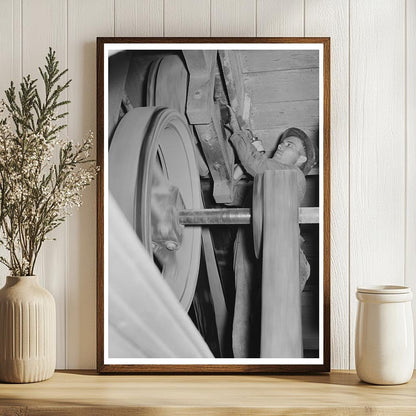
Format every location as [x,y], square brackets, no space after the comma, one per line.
[283,93]
[85,20]
[373,175]
[54,255]
[331,18]
[377,146]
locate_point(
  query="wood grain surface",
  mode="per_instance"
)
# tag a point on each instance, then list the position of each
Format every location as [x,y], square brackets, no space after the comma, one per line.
[85,393]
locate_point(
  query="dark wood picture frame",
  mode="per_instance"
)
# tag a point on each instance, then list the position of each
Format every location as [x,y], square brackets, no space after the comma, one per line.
[102,142]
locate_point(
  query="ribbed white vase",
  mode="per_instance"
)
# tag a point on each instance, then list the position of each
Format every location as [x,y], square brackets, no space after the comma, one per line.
[27,331]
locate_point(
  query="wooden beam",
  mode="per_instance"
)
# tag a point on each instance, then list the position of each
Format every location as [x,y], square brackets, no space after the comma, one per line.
[201,68]
[263,61]
[234,82]
[204,114]
[281,320]
[283,86]
[268,116]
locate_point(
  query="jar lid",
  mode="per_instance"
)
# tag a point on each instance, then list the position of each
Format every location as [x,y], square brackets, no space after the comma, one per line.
[384,289]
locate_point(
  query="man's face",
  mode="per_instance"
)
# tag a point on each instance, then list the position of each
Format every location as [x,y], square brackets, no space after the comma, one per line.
[290,151]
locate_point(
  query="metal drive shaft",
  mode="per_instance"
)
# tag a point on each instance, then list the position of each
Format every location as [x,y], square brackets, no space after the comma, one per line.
[217,216]
[235,216]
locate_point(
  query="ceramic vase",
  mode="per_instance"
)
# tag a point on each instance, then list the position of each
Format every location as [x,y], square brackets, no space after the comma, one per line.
[27,331]
[384,340]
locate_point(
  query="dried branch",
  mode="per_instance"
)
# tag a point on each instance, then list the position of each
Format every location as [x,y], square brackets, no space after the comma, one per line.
[36,193]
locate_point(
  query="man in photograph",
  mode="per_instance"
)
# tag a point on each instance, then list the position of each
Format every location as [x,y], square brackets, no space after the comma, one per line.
[295,151]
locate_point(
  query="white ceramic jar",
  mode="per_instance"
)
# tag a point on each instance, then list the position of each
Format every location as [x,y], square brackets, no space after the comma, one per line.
[384,338]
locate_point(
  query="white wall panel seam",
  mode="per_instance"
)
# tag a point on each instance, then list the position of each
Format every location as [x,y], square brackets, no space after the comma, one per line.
[21,39]
[410,279]
[210,17]
[233,18]
[66,222]
[304,18]
[405,145]
[65,277]
[404,34]
[349,184]
[10,67]
[66,247]
[21,34]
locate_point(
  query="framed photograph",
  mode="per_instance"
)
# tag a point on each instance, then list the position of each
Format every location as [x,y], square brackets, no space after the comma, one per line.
[213,205]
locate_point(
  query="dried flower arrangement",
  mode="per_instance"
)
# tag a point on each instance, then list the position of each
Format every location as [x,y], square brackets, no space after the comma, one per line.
[41,175]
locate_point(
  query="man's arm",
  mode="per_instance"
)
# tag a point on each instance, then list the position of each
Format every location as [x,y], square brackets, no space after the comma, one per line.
[253,161]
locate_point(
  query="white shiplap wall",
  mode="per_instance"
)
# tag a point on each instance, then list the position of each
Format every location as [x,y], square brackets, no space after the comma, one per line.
[373,128]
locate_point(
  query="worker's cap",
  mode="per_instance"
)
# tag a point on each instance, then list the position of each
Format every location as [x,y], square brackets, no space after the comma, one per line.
[307,143]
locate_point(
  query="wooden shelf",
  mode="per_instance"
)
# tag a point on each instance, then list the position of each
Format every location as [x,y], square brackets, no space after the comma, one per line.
[85,393]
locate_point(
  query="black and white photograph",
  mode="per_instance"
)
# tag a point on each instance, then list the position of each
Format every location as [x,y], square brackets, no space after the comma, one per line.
[213,205]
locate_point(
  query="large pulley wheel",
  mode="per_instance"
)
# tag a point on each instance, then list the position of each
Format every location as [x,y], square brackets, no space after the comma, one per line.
[167,83]
[146,139]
